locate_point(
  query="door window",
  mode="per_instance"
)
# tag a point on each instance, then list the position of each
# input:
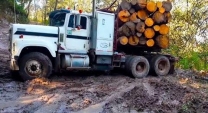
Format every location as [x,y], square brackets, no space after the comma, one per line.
[82,21]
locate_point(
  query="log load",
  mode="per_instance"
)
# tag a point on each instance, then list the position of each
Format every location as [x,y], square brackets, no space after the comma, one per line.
[144,23]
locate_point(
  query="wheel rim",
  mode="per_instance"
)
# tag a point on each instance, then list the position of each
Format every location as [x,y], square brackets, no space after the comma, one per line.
[162,65]
[141,66]
[33,68]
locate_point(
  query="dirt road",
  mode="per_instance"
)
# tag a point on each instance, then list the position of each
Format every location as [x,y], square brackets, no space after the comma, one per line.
[89,93]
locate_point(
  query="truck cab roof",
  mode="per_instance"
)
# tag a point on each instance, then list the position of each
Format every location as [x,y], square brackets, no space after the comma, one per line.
[53,13]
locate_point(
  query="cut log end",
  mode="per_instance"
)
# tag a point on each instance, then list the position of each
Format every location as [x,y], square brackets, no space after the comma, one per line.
[133,40]
[142,14]
[164,29]
[123,40]
[124,15]
[158,17]
[149,33]
[159,4]
[156,27]
[149,22]
[150,43]
[163,41]
[162,10]
[151,6]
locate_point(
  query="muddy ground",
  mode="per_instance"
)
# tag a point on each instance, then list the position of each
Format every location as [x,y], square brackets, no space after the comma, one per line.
[90,93]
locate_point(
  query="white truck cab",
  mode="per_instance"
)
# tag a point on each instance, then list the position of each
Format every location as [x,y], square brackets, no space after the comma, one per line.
[36,50]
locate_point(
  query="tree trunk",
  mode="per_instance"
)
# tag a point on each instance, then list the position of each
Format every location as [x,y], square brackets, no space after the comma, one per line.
[56,3]
[28,8]
[162,41]
[123,40]
[149,33]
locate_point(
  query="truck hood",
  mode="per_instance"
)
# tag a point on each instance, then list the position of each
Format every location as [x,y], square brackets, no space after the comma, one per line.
[39,30]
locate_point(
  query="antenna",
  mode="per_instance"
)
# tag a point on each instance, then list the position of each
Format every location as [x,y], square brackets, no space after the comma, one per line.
[15,19]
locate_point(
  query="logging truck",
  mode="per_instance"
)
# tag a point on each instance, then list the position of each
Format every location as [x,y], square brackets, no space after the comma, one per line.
[102,41]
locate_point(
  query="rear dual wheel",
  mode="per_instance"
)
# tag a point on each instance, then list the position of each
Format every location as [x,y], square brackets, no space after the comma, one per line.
[160,65]
[138,66]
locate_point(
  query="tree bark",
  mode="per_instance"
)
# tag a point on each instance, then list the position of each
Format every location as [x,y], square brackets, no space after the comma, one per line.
[131,26]
[167,5]
[125,5]
[140,27]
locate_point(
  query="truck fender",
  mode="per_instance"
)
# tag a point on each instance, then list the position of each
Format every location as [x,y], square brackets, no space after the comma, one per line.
[21,44]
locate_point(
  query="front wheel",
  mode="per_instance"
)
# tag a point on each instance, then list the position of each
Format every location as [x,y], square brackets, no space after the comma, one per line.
[34,65]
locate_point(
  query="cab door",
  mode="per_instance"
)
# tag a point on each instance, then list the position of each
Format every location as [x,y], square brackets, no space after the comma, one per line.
[77,40]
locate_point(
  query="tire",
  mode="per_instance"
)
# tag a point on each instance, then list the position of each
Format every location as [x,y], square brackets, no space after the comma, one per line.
[160,65]
[128,58]
[128,63]
[139,67]
[34,65]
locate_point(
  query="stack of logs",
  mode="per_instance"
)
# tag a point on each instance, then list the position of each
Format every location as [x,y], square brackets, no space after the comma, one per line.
[144,23]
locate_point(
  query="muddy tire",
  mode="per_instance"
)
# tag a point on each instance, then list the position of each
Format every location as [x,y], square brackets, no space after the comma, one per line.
[160,65]
[139,67]
[34,65]
[128,58]
[128,63]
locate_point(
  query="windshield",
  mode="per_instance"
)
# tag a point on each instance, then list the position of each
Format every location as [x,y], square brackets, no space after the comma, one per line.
[58,20]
